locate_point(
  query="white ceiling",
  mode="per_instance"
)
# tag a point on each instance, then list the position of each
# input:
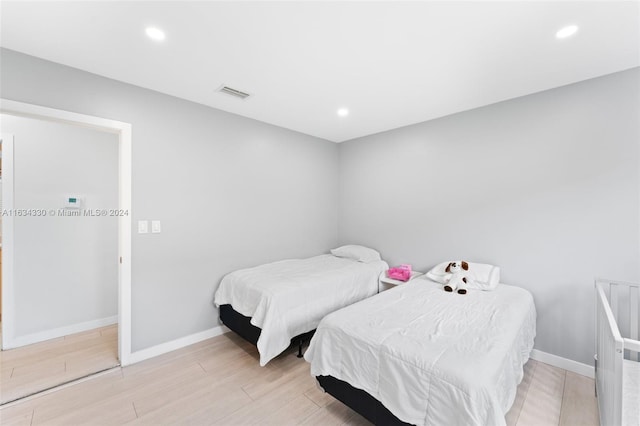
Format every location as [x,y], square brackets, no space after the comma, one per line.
[391,63]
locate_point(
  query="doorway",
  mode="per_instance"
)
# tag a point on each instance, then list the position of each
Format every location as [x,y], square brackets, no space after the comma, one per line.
[95,332]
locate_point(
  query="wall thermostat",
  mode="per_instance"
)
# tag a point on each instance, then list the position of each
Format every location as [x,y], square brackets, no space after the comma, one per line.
[73,202]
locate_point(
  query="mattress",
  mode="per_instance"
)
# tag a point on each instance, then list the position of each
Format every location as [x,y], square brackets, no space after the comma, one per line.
[290,297]
[429,356]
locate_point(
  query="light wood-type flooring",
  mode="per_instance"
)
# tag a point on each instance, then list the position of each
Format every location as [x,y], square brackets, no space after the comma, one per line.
[219,381]
[34,368]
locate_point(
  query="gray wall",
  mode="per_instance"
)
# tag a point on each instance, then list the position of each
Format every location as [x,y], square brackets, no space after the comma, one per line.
[230,191]
[545,186]
[65,268]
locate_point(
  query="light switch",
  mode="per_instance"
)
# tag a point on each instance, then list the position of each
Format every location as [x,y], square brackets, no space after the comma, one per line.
[155,226]
[143,226]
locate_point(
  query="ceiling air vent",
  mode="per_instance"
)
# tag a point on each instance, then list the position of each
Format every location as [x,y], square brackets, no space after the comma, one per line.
[233,92]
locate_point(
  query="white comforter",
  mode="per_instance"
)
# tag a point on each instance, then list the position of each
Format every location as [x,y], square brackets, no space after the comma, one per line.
[290,297]
[431,357]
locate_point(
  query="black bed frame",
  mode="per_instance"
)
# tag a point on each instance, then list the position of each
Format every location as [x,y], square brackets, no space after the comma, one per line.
[359,401]
[242,326]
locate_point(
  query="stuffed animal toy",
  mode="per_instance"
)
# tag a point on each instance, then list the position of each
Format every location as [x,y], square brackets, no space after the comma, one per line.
[458,280]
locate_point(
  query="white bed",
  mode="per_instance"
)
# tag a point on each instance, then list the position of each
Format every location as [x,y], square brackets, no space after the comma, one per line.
[288,298]
[429,356]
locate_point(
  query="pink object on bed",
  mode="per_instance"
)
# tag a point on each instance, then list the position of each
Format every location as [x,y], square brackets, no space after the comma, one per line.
[400,273]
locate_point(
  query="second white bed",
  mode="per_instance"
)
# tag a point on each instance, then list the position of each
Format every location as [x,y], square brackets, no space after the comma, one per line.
[431,357]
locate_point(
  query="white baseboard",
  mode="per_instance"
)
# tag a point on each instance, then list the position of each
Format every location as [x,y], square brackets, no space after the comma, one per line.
[564,363]
[41,336]
[163,348]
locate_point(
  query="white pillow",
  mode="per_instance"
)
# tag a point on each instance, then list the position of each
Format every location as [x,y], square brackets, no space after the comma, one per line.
[481,276]
[357,253]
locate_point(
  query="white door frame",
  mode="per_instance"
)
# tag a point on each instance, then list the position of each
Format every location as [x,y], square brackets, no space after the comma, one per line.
[7,229]
[123,130]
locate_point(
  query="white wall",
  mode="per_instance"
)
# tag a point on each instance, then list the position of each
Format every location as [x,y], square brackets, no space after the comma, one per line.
[65,268]
[230,191]
[545,186]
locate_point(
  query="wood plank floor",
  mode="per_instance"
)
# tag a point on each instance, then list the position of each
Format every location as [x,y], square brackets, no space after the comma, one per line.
[34,368]
[219,382]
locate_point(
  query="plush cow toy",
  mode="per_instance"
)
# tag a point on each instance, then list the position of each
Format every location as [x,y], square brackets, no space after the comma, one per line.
[458,280]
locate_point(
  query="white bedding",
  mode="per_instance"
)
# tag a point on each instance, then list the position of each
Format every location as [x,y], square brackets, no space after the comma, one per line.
[290,297]
[431,357]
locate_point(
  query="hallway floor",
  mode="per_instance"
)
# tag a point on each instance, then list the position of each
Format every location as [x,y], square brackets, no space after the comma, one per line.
[34,368]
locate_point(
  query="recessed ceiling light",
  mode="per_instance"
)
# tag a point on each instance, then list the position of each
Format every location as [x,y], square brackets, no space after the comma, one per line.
[343,112]
[567,31]
[155,33]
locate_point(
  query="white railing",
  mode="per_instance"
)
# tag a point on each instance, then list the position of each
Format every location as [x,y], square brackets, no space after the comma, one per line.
[617,306]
